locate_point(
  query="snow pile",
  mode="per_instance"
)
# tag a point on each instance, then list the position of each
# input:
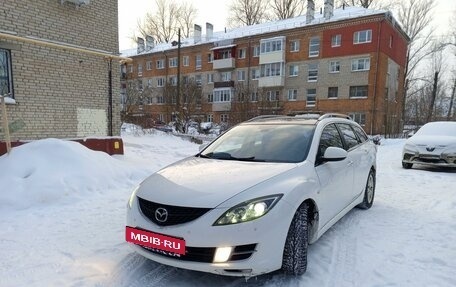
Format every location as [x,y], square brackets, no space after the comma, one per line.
[51,170]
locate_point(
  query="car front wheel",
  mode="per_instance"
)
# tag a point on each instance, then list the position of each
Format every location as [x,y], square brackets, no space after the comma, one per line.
[294,260]
[369,191]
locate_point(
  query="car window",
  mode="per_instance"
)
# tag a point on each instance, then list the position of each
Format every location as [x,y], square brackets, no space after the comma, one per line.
[349,136]
[263,142]
[360,133]
[329,137]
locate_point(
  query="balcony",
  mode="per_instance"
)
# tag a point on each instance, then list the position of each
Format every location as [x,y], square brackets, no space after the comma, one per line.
[275,81]
[221,107]
[227,84]
[228,63]
[272,57]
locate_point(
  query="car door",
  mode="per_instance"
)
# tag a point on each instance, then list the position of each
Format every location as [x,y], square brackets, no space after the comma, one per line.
[336,178]
[355,155]
[367,160]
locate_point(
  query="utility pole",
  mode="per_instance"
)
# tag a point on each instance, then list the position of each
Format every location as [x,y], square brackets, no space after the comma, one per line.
[451,101]
[434,94]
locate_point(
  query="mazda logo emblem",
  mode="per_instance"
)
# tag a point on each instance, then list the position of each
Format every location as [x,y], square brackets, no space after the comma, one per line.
[161,214]
[430,148]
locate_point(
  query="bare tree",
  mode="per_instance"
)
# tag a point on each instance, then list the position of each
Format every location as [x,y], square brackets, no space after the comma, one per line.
[284,9]
[247,12]
[371,4]
[168,17]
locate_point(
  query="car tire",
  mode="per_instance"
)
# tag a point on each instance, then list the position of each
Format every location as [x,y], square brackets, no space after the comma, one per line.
[369,191]
[407,165]
[294,260]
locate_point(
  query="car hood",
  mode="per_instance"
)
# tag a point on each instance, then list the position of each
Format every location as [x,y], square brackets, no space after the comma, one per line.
[201,182]
[432,140]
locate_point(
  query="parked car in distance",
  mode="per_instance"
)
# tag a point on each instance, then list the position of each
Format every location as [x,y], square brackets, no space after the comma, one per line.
[433,144]
[253,199]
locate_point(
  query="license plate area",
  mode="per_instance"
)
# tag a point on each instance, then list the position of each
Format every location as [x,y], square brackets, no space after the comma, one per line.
[155,240]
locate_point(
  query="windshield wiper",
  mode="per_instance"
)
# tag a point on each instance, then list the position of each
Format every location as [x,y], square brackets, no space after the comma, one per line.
[227,156]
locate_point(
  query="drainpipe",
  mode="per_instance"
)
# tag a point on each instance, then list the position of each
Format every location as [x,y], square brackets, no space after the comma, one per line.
[110,97]
[376,76]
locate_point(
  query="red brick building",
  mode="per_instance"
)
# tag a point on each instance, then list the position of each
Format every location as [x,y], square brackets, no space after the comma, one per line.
[349,60]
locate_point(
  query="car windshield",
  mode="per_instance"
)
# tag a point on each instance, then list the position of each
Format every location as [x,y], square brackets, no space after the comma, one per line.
[262,143]
[438,129]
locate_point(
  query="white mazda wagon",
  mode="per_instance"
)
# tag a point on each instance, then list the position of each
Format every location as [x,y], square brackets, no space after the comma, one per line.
[252,200]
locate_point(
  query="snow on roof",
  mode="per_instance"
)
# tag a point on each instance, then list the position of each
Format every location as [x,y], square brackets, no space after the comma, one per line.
[245,31]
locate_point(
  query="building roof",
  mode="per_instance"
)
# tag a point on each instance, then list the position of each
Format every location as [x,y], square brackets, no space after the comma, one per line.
[245,31]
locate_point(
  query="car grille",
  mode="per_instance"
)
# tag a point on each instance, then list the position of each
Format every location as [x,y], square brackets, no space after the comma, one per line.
[176,214]
[205,254]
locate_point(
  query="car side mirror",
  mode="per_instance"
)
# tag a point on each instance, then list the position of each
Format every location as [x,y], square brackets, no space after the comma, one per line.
[335,154]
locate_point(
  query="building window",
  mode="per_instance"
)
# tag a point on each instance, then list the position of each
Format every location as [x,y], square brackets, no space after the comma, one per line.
[333,92]
[222,95]
[149,83]
[210,98]
[334,66]
[139,69]
[160,82]
[149,65]
[255,74]
[272,96]
[160,100]
[225,76]
[241,53]
[271,70]
[210,118]
[198,80]
[391,41]
[6,82]
[254,97]
[336,40]
[130,68]
[292,94]
[358,92]
[311,97]
[210,78]
[241,75]
[360,118]
[198,61]
[314,47]
[173,62]
[210,58]
[271,45]
[186,61]
[140,85]
[361,37]
[173,80]
[160,64]
[294,70]
[294,46]
[224,118]
[361,64]
[256,51]
[313,73]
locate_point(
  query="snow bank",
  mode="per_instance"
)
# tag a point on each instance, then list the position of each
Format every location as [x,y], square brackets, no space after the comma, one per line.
[51,170]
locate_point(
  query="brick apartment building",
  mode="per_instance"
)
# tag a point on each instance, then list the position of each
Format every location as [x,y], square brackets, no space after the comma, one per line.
[54,68]
[349,60]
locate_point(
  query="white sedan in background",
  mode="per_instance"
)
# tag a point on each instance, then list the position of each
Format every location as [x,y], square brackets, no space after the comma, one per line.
[253,199]
[434,144]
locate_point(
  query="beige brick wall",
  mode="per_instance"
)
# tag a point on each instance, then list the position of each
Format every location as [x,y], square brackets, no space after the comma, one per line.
[52,85]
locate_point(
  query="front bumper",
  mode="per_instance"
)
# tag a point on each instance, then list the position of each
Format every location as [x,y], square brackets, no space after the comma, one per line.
[265,235]
[439,160]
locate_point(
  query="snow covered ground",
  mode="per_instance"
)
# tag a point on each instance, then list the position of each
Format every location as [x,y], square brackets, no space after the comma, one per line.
[62,213]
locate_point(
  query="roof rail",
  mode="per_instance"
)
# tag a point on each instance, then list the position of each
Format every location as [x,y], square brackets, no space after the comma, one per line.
[334,115]
[264,117]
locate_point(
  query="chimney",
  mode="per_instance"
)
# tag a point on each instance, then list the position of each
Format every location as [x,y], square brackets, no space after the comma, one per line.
[310,15]
[209,31]
[197,33]
[140,42]
[329,9]
[149,43]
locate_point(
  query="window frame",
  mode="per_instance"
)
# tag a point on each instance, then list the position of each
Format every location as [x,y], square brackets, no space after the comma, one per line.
[358,38]
[334,67]
[312,73]
[356,63]
[311,103]
[292,94]
[336,40]
[312,45]
[293,70]
[8,78]
[294,46]
[365,89]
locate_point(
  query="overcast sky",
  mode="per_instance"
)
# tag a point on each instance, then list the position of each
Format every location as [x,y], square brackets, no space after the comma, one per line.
[216,12]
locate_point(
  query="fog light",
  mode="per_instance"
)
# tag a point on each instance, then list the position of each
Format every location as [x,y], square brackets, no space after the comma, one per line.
[222,254]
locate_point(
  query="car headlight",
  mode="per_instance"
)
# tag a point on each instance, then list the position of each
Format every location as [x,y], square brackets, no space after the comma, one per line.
[410,148]
[132,196]
[248,210]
